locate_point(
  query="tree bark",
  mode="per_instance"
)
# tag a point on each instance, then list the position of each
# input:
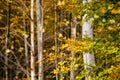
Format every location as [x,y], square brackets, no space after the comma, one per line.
[61,29]
[55,35]
[32,42]
[39,14]
[88,57]
[73,37]
[87,31]
[25,41]
[7,39]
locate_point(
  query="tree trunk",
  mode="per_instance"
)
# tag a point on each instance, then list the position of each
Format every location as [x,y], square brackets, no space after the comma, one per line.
[55,34]
[87,31]
[88,57]
[32,42]
[39,14]
[61,29]
[25,42]
[7,39]
[73,37]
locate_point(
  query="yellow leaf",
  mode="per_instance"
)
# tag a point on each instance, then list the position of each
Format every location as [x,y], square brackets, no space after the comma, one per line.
[112,21]
[96,16]
[60,63]
[67,22]
[88,79]
[61,2]
[43,30]
[7,51]
[56,71]
[53,48]
[111,6]
[64,46]
[44,50]
[118,2]
[118,11]
[60,35]
[103,10]
[111,28]
[64,69]
[20,49]
[114,11]
[0,17]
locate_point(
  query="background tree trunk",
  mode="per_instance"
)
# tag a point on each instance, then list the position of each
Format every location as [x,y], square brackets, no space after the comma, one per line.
[25,41]
[60,43]
[73,37]
[55,35]
[7,39]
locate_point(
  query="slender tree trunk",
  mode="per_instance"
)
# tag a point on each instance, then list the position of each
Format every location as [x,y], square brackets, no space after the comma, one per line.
[61,29]
[39,14]
[32,42]
[7,39]
[25,42]
[73,37]
[87,31]
[55,34]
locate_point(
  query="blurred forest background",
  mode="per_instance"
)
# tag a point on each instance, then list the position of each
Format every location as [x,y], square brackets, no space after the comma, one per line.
[59,40]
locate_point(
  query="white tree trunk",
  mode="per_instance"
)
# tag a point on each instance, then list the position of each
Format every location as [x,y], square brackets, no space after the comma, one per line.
[39,14]
[32,42]
[88,57]
[87,31]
